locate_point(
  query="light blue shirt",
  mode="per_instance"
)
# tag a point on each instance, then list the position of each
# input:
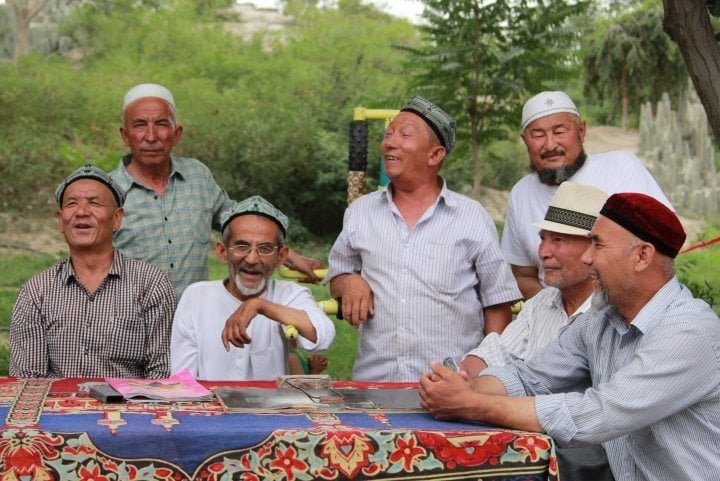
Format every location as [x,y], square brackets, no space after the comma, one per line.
[430,284]
[649,391]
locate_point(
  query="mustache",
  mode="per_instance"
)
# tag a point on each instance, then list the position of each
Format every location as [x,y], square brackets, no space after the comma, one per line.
[552,153]
[254,268]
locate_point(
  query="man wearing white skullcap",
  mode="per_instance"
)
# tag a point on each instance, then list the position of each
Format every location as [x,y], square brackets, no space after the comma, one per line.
[172,203]
[553,133]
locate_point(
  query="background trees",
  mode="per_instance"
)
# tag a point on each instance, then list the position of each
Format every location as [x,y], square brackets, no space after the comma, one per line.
[482,59]
[630,59]
[270,114]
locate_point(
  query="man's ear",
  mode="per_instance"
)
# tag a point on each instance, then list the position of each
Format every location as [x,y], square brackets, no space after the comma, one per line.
[117,218]
[582,130]
[437,154]
[221,251]
[645,255]
[282,256]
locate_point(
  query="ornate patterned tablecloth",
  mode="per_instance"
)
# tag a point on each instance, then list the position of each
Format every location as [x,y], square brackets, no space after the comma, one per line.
[54,430]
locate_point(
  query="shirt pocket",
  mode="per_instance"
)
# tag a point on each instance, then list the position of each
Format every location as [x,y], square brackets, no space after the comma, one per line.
[201,225]
[443,264]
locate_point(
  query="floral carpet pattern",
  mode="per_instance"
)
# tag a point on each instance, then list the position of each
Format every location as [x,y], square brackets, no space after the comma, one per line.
[112,442]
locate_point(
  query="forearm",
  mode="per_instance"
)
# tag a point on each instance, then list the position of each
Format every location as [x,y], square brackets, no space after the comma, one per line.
[527,279]
[497,317]
[289,316]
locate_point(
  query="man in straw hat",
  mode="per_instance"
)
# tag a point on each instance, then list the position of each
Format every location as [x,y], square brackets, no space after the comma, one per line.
[96,313]
[639,373]
[253,246]
[553,133]
[564,237]
[173,203]
[418,267]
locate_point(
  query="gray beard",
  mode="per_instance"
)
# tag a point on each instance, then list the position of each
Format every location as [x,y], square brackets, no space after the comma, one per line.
[599,300]
[561,174]
[250,291]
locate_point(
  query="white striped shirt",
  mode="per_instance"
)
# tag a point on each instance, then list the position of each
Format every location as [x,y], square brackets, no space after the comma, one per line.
[430,284]
[649,391]
[539,321]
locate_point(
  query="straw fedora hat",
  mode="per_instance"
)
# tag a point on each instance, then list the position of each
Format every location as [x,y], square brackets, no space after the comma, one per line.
[573,209]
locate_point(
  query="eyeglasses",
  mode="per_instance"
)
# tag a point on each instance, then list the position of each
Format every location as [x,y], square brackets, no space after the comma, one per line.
[242,250]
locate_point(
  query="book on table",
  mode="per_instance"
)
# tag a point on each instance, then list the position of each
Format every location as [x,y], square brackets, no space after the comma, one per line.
[181,387]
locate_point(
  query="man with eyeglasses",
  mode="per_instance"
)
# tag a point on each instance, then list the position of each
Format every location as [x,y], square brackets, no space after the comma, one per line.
[205,328]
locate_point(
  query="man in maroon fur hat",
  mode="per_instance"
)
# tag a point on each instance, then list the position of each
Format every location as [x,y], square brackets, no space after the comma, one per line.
[640,373]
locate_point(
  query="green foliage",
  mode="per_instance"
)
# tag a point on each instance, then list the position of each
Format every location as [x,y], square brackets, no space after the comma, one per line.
[481,59]
[268,116]
[623,55]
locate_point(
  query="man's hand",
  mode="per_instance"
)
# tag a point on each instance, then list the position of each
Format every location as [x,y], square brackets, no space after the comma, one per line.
[445,393]
[305,265]
[357,299]
[235,331]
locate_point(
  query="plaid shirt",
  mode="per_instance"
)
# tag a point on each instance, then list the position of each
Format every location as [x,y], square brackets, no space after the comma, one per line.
[172,231]
[59,329]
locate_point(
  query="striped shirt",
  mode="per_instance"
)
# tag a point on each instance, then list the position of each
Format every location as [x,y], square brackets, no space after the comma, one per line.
[172,231]
[59,329]
[649,391]
[539,321]
[430,284]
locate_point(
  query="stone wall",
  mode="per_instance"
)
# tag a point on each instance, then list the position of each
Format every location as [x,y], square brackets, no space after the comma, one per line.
[678,149]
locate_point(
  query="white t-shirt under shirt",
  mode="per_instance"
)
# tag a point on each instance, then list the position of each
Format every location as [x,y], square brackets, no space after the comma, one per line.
[612,172]
[200,318]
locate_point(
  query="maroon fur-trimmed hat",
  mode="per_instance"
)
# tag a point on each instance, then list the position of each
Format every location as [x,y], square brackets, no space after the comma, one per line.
[647,218]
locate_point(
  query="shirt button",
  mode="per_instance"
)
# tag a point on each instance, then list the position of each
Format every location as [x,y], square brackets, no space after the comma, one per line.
[169,241]
[172,265]
[166,218]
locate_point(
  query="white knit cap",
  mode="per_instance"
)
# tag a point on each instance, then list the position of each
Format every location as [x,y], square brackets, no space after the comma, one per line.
[547,103]
[147,90]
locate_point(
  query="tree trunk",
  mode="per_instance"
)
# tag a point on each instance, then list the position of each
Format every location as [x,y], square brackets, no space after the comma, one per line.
[688,24]
[624,94]
[25,11]
[475,155]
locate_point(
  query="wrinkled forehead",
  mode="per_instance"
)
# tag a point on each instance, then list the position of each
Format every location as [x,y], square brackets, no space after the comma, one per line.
[88,188]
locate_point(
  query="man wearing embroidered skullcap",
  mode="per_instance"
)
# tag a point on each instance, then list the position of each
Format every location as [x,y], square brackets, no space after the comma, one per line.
[418,266]
[639,372]
[554,133]
[252,344]
[173,203]
[96,313]
[564,237]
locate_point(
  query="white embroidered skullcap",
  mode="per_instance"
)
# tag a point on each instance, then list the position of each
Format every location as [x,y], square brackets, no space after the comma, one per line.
[147,90]
[547,103]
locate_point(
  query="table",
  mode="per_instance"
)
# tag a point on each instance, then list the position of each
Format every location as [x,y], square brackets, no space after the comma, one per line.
[53,430]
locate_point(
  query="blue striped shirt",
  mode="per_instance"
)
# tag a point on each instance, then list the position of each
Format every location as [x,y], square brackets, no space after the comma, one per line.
[172,231]
[430,284]
[649,391]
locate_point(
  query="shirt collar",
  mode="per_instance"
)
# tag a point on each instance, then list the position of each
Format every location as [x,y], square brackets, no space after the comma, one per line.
[648,317]
[126,181]
[444,194]
[67,272]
